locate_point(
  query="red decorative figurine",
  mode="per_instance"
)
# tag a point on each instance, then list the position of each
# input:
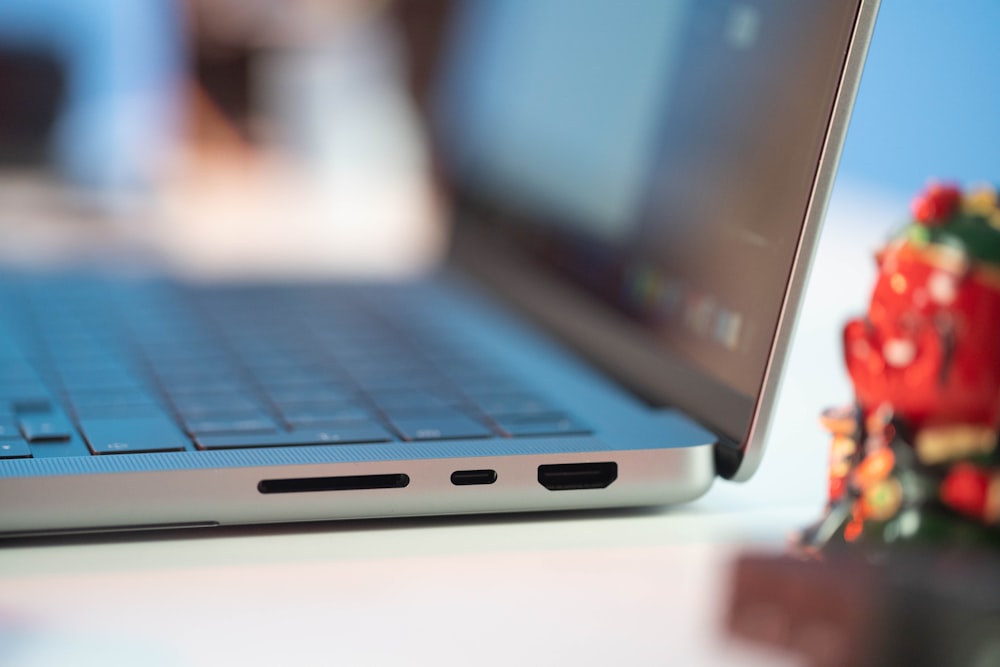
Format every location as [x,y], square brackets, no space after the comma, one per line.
[916,459]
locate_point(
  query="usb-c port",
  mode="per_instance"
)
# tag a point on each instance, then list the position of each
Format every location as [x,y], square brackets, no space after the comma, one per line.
[470,477]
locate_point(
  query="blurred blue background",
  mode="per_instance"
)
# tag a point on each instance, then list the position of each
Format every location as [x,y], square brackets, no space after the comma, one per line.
[929,103]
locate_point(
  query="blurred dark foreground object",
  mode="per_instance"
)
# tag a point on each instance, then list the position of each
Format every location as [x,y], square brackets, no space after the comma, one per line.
[909,608]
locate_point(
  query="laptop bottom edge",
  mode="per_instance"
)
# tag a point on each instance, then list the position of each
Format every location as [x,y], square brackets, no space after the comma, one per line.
[402,488]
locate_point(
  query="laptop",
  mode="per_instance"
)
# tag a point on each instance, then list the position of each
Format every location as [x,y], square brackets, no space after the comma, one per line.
[637,188]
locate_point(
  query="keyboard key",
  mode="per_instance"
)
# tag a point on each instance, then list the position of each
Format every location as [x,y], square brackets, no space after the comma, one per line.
[113,403]
[249,425]
[15,371]
[220,385]
[132,435]
[9,429]
[272,379]
[305,393]
[41,427]
[103,411]
[514,404]
[209,407]
[208,396]
[447,426]
[409,402]
[385,370]
[110,398]
[102,382]
[26,391]
[402,382]
[543,425]
[22,401]
[14,449]
[304,414]
[485,388]
[346,433]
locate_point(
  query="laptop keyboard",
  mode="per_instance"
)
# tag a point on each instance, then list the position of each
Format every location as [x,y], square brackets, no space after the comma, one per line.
[118,369]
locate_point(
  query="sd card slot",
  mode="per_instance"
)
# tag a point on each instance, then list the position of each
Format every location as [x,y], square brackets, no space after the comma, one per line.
[341,483]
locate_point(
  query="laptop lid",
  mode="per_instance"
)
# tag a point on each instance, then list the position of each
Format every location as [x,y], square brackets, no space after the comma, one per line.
[647,179]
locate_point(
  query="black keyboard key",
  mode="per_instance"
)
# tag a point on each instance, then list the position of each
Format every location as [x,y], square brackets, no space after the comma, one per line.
[514,404]
[14,449]
[310,393]
[9,429]
[342,434]
[132,435]
[24,399]
[247,425]
[306,413]
[110,398]
[208,407]
[102,382]
[403,383]
[106,411]
[221,385]
[543,425]
[28,390]
[490,387]
[16,372]
[409,402]
[112,403]
[449,425]
[273,379]
[40,427]
[380,370]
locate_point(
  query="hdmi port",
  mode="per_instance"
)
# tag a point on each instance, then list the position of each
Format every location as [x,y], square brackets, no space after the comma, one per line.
[567,476]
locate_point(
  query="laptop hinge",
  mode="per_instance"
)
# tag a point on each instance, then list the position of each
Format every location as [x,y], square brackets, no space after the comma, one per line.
[728,456]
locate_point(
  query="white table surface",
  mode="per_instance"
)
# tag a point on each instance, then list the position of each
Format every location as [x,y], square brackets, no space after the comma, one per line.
[636,587]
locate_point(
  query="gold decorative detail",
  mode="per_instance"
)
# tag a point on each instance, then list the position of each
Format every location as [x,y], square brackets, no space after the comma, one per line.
[841,450]
[940,444]
[981,201]
[882,500]
[840,421]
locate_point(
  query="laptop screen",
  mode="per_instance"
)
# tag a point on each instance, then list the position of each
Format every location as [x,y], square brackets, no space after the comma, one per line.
[659,154]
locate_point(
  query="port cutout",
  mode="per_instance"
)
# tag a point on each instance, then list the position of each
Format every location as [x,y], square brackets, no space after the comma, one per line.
[472,477]
[569,476]
[343,483]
